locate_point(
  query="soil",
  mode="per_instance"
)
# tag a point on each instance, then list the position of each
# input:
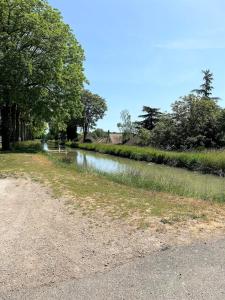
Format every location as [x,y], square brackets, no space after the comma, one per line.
[43,241]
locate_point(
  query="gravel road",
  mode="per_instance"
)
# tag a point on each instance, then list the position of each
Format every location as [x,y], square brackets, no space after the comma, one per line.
[49,253]
[189,272]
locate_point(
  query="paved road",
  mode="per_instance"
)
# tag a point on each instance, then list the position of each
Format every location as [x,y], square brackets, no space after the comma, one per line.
[187,272]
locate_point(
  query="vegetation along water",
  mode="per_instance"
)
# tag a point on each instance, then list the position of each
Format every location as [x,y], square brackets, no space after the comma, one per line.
[149,176]
[212,162]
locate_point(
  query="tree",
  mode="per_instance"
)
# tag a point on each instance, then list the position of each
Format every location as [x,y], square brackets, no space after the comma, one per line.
[94,108]
[144,136]
[126,126]
[41,67]
[151,117]
[206,88]
[164,134]
[196,120]
[71,130]
[99,133]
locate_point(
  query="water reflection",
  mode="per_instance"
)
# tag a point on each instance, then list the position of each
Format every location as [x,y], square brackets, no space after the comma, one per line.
[93,160]
[156,177]
[108,165]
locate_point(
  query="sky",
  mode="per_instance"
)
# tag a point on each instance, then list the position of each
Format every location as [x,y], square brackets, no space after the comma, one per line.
[147,52]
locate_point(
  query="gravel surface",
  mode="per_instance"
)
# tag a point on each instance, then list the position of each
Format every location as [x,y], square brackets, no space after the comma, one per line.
[50,252]
[189,272]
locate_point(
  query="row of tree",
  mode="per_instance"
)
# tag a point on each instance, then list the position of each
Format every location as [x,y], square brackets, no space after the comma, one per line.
[196,121]
[93,109]
[41,74]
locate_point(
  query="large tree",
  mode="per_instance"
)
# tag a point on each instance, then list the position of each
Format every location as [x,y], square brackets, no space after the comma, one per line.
[94,108]
[194,122]
[206,88]
[41,72]
[150,118]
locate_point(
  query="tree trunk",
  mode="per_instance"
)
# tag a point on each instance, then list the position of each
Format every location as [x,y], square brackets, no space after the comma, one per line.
[17,135]
[13,124]
[85,130]
[71,132]
[6,127]
[25,131]
[22,130]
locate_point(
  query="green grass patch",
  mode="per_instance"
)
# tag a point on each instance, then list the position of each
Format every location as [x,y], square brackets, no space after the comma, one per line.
[27,147]
[92,192]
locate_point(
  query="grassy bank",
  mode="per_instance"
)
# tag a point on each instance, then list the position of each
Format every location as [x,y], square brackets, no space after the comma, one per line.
[34,146]
[90,192]
[212,162]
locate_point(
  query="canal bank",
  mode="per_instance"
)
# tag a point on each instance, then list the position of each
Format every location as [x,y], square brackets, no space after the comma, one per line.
[149,176]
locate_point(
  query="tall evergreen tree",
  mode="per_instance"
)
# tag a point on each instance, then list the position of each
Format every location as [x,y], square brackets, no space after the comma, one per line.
[151,117]
[205,90]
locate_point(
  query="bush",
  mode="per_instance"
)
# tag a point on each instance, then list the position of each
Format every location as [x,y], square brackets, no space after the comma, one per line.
[28,147]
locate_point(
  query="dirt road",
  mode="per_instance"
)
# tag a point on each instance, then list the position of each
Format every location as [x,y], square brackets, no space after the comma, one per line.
[50,252]
[43,243]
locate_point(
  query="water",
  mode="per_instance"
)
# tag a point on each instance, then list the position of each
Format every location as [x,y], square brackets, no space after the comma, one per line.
[150,175]
[98,162]
[92,160]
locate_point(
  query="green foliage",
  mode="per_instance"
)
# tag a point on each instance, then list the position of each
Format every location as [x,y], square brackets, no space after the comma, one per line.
[195,122]
[207,162]
[94,108]
[41,64]
[28,147]
[99,133]
[126,126]
[151,117]
[144,136]
[206,88]
[164,134]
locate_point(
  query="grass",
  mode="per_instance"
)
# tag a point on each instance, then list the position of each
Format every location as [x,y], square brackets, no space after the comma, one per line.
[212,162]
[154,177]
[91,192]
[205,187]
[27,147]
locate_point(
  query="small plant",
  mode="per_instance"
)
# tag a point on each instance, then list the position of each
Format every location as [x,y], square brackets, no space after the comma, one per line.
[67,160]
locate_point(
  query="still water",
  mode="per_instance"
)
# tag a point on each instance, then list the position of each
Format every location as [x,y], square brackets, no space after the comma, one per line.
[155,176]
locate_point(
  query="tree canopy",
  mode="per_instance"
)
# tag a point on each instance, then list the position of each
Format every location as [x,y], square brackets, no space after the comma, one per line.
[150,118]
[94,108]
[206,88]
[196,121]
[41,67]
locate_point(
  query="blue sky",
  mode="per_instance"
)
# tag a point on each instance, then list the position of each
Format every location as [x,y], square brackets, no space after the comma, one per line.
[147,52]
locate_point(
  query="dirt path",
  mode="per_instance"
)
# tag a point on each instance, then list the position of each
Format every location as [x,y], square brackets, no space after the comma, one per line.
[42,243]
[193,272]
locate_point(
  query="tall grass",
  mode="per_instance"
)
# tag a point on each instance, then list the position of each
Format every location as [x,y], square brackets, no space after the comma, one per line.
[34,146]
[155,177]
[212,162]
[195,185]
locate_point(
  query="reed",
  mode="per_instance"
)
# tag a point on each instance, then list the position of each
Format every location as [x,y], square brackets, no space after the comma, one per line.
[211,162]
